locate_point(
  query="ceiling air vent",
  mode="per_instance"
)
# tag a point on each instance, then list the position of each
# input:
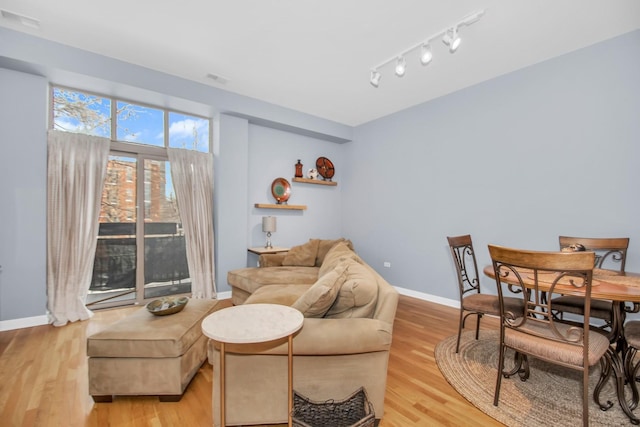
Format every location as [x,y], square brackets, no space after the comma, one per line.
[217,78]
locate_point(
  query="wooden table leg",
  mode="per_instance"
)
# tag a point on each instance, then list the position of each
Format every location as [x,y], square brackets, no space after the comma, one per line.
[223,421]
[290,393]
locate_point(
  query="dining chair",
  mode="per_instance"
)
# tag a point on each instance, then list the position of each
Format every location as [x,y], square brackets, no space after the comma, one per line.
[534,331]
[472,301]
[610,254]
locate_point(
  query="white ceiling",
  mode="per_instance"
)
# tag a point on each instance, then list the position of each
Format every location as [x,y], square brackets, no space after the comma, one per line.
[315,55]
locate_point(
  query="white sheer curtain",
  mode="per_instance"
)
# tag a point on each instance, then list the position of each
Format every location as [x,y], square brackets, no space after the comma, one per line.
[75,176]
[192,174]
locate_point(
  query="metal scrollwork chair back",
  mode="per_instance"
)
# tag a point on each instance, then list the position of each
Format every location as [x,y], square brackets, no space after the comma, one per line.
[534,331]
[610,255]
[611,252]
[472,300]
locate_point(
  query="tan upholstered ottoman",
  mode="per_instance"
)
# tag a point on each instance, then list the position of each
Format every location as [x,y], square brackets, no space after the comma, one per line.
[144,354]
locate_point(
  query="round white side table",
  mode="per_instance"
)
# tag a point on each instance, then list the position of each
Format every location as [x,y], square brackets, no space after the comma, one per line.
[252,323]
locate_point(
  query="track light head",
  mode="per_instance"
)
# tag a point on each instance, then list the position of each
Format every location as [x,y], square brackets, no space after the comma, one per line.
[401,66]
[425,54]
[375,78]
[453,40]
[455,43]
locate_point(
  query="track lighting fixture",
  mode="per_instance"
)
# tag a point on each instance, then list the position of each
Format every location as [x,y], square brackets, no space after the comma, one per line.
[452,40]
[401,66]
[426,55]
[449,36]
[375,78]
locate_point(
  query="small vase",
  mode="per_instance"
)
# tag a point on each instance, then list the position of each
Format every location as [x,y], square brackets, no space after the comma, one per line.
[298,169]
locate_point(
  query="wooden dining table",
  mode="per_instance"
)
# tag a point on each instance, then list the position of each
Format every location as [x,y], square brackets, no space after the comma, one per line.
[621,288]
[606,285]
[610,285]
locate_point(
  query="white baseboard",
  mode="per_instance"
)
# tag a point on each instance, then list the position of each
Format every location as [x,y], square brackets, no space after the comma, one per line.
[224,295]
[428,297]
[25,322]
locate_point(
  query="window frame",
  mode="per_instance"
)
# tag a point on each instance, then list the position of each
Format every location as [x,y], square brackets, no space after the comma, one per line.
[140,152]
[125,146]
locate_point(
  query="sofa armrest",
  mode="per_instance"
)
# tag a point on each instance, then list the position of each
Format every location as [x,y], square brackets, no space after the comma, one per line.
[271,260]
[327,337]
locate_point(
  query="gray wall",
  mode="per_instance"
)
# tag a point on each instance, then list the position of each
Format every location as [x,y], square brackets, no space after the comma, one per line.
[518,160]
[272,154]
[23,189]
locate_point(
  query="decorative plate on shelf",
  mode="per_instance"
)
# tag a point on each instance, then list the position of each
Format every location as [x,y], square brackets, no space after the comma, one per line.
[281,190]
[167,305]
[325,168]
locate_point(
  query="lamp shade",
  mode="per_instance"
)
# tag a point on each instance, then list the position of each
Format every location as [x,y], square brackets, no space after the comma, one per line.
[269,224]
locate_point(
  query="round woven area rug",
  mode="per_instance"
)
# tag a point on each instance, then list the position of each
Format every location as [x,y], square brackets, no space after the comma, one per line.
[551,396]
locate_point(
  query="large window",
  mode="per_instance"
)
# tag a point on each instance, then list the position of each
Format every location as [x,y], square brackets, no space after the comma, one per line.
[141,247]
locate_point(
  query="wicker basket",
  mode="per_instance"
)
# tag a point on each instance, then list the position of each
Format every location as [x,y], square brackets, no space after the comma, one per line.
[354,411]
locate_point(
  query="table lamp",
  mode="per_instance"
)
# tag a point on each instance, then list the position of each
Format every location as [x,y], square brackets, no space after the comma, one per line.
[268,226]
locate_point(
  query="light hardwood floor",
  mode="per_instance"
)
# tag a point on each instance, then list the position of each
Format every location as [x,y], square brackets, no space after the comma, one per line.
[43,378]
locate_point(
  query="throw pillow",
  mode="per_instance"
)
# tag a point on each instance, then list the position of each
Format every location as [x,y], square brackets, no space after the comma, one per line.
[325,245]
[339,252]
[358,295]
[318,298]
[302,255]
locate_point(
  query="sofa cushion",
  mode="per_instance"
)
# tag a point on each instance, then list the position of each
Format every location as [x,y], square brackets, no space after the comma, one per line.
[358,295]
[252,278]
[277,294]
[302,255]
[318,298]
[339,252]
[325,245]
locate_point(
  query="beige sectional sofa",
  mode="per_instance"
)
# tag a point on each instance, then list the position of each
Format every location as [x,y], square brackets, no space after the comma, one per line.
[344,343]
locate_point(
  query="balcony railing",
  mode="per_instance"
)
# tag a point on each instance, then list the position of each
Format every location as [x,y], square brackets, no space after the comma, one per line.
[165,260]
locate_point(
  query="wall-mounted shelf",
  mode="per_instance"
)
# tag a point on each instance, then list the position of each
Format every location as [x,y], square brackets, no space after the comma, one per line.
[274,206]
[262,250]
[315,181]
